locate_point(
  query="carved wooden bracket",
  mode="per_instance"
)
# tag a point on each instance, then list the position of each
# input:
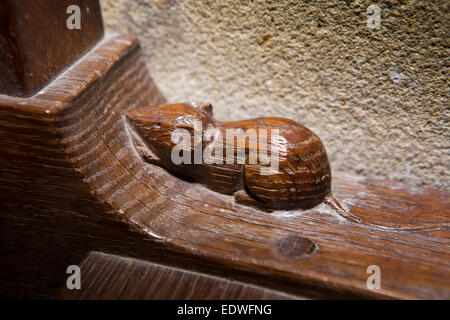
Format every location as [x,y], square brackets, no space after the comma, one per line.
[77,176]
[268,163]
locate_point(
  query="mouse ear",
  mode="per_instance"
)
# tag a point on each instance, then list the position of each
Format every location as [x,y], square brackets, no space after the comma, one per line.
[205,107]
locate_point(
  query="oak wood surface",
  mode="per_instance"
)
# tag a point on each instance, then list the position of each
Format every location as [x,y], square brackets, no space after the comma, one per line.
[71,182]
[111,277]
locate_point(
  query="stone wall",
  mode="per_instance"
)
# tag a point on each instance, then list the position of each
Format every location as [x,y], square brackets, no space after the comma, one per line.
[378,98]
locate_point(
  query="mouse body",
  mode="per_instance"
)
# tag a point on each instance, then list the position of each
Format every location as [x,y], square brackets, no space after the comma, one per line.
[301,180]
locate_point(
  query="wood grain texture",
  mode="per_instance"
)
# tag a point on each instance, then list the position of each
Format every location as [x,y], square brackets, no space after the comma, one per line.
[36,45]
[50,218]
[71,182]
[113,277]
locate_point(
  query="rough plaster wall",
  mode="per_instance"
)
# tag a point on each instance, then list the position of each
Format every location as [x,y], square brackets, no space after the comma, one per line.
[377,98]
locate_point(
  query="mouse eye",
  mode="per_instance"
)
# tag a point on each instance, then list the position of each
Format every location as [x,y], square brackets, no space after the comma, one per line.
[158,124]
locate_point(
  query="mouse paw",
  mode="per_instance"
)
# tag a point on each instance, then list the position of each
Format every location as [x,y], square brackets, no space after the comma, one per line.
[242,197]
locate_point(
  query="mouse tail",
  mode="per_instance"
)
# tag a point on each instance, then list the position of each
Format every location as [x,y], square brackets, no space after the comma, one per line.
[339,208]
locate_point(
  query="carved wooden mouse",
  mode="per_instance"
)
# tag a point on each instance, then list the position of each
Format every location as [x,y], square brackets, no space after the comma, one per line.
[302,179]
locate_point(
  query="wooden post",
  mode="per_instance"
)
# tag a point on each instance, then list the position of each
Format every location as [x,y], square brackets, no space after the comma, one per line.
[71,182]
[39,39]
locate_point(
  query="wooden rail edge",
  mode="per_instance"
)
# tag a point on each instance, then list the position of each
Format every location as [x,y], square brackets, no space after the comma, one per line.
[72,183]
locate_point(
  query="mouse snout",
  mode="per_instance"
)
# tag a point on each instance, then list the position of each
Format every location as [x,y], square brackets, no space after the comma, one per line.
[137,113]
[133,114]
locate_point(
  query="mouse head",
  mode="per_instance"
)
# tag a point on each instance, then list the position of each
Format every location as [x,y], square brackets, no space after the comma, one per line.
[160,127]
[169,117]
